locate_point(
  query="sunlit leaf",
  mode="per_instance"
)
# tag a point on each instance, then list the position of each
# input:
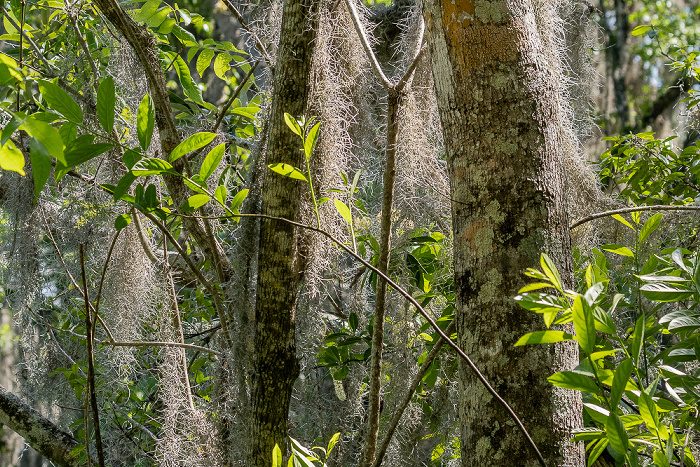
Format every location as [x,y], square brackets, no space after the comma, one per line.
[192,143]
[60,101]
[288,171]
[145,121]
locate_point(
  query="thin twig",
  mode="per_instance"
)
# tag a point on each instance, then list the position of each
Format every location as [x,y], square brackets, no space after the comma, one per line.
[98,299]
[91,363]
[366,45]
[142,237]
[244,24]
[233,97]
[632,209]
[86,51]
[409,395]
[159,344]
[417,54]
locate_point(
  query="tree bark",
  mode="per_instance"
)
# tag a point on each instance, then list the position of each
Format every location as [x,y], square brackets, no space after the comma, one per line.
[496,79]
[280,262]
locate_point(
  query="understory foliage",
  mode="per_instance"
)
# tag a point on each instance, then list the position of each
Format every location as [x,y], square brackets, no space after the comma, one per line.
[172,328]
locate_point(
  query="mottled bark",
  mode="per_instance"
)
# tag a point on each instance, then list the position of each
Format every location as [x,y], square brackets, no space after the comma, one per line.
[38,431]
[503,125]
[280,262]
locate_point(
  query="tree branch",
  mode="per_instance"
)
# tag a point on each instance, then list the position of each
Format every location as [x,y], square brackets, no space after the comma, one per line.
[663,102]
[38,431]
[632,209]
[366,45]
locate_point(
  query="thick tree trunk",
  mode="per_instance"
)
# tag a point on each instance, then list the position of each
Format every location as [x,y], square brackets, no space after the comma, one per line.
[280,264]
[496,80]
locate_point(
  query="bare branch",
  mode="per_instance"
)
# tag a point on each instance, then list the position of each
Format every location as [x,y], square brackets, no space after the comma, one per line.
[244,24]
[233,97]
[632,209]
[366,45]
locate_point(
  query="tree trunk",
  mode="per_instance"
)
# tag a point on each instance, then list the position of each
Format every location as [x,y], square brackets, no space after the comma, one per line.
[280,264]
[497,76]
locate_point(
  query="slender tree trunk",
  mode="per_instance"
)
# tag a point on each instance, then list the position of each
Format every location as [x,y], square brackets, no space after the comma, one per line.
[280,264]
[496,79]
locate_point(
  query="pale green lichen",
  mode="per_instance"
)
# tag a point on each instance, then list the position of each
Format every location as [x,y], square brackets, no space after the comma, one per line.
[489,291]
[487,11]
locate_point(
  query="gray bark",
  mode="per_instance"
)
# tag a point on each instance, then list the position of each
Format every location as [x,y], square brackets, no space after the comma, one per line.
[496,80]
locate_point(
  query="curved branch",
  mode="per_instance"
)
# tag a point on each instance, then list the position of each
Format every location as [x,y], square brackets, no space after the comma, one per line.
[366,45]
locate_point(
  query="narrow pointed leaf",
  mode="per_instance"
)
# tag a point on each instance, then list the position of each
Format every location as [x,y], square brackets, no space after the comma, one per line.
[220,194]
[551,272]
[660,292]
[622,220]
[152,166]
[192,143]
[618,250]
[635,347]
[106,99]
[617,434]
[41,165]
[571,380]
[650,226]
[292,124]
[195,202]
[288,171]
[311,139]
[543,337]
[237,200]
[145,121]
[584,324]
[343,210]
[622,375]
[212,161]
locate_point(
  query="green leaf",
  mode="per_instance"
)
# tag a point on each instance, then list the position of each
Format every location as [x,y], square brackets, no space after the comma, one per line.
[543,337]
[123,185]
[622,220]
[276,456]
[60,101]
[190,89]
[106,98]
[551,272]
[41,165]
[311,140]
[122,221]
[292,124]
[68,132]
[80,151]
[622,375]
[343,210]
[660,292]
[332,443]
[11,158]
[618,250]
[221,65]
[152,166]
[46,134]
[647,409]
[194,142]
[535,286]
[195,202]
[650,226]
[572,380]
[221,194]
[660,459]
[237,200]
[598,449]
[635,347]
[288,171]
[617,434]
[640,30]
[584,324]
[212,161]
[145,121]
[204,60]
[147,10]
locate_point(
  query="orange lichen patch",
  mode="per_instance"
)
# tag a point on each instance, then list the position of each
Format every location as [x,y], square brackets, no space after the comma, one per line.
[487,43]
[453,12]
[469,231]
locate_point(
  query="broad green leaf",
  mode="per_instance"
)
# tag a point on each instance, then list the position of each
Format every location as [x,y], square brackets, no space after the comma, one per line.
[343,210]
[684,323]
[221,65]
[640,30]
[571,380]
[68,132]
[123,185]
[617,434]
[204,60]
[9,71]
[237,200]
[184,35]
[650,226]
[276,456]
[220,194]
[551,272]
[535,286]
[311,140]
[660,292]
[301,453]
[46,134]
[622,375]
[292,124]
[192,143]
[655,278]
[622,220]
[122,221]
[195,202]
[147,10]
[131,157]
[145,121]
[636,346]
[60,101]
[543,337]
[41,165]
[618,250]
[11,158]
[76,154]
[288,171]
[647,409]
[152,166]
[584,324]
[106,98]
[603,321]
[212,161]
